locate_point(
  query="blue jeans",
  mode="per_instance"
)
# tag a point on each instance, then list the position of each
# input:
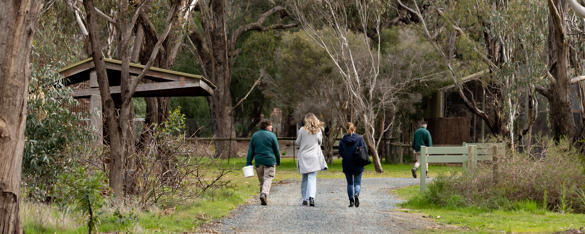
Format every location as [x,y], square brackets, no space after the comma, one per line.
[354,183]
[309,185]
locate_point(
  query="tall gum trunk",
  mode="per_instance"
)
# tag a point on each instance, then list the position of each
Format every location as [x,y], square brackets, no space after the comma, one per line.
[561,117]
[17,19]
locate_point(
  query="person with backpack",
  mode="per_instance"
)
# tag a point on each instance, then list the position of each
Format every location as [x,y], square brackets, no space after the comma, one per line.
[349,148]
[311,158]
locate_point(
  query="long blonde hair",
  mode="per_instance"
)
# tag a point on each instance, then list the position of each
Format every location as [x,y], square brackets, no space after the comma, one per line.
[312,124]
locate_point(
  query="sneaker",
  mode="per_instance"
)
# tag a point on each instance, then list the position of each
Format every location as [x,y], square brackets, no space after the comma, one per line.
[357,200]
[413,172]
[305,203]
[311,201]
[263,199]
[351,203]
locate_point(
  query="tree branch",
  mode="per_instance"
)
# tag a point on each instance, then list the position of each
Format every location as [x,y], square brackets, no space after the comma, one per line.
[557,19]
[107,17]
[258,24]
[154,51]
[262,73]
[545,92]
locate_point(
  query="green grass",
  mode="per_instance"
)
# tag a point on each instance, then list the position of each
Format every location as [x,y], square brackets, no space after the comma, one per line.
[526,216]
[288,170]
[213,205]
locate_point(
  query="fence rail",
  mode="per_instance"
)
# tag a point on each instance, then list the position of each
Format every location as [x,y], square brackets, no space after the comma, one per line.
[468,155]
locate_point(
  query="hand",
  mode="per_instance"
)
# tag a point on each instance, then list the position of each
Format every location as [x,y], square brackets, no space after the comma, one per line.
[248,164]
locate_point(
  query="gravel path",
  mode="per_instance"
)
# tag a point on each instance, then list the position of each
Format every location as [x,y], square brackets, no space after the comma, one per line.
[284,213]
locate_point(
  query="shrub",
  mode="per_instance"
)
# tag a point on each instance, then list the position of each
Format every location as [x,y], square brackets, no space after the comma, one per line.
[168,171]
[555,181]
[83,191]
[50,129]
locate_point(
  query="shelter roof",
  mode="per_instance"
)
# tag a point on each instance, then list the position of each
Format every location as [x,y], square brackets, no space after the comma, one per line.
[162,83]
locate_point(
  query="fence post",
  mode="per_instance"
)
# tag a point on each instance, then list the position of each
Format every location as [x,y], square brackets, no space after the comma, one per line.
[472,162]
[400,154]
[495,163]
[423,165]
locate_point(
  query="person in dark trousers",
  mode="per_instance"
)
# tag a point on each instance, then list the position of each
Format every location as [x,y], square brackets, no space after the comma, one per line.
[264,149]
[353,171]
[422,137]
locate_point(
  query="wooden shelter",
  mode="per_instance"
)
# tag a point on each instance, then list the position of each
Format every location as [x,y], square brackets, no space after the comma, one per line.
[157,82]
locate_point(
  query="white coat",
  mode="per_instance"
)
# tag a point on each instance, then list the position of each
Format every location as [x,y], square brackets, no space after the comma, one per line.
[310,156]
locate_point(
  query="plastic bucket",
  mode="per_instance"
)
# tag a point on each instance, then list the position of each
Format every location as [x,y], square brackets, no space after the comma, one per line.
[248,171]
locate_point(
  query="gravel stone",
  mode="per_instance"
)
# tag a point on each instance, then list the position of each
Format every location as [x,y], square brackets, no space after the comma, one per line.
[285,214]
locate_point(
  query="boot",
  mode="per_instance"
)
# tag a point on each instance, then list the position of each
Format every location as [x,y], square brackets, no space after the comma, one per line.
[311,201]
[357,201]
[263,199]
[413,172]
[351,203]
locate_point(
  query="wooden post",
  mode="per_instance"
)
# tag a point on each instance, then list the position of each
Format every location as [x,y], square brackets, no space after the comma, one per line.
[400,154]
[423,168]
[495,163]
[95,110]
[472,162]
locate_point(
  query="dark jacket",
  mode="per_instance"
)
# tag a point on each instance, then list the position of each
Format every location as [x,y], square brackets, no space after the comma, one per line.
[263,149]
[422,137]
[347,147]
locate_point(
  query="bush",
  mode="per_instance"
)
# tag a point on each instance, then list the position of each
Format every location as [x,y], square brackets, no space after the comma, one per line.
[169,171]
[50,129]
[555,181]
[83,191]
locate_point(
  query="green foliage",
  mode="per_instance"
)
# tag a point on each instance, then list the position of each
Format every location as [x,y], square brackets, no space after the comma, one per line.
[51,128]
[552,181]
[174,125]
[256,59]
[84,191]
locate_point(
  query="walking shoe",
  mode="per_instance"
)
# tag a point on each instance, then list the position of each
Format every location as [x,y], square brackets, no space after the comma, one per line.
[311,201]
[357,200]
[263,199]
[351,203]
[413,172]
[305,203]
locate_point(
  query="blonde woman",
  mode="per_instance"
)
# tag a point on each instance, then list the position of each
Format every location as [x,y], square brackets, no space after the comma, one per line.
[311,159]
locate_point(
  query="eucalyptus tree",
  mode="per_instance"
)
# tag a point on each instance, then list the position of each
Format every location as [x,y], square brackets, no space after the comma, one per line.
[481,38]
[119,121]
[215,44]
[349,33]
[17,20]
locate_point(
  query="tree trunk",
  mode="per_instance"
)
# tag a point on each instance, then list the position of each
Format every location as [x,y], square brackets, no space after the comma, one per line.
[561,116]
[17,19]
[373,152]
[220,104]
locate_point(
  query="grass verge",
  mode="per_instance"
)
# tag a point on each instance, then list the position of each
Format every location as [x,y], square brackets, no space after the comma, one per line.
[526,216]
[187,217]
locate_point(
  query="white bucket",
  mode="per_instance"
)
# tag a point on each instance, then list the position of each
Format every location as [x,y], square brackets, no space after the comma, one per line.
[248,171]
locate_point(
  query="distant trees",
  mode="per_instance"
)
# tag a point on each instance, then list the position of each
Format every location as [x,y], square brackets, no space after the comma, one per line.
[17,20]
[480,38]
[350,34]
[216,47]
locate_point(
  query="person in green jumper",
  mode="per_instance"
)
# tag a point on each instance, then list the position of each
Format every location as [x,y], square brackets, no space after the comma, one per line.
[422,137]
[264,148]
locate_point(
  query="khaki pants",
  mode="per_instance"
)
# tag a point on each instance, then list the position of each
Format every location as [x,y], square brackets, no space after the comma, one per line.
[265,176]
[417,163]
